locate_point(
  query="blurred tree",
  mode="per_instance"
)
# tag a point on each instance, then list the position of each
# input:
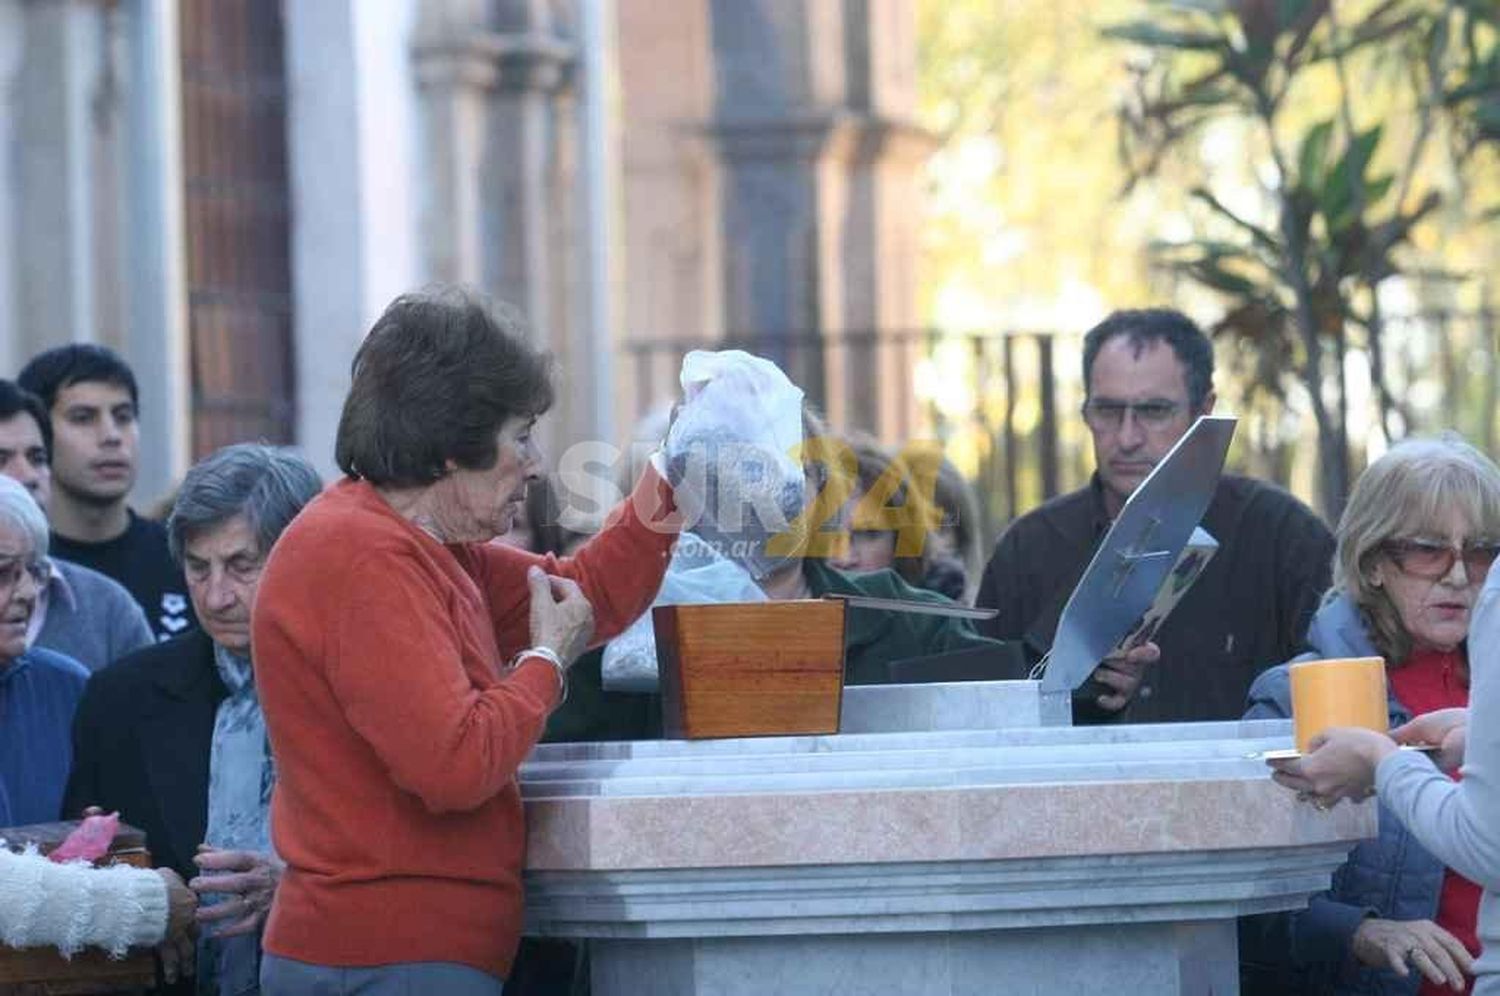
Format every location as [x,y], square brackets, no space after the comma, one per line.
[1022,230]
[1364,122]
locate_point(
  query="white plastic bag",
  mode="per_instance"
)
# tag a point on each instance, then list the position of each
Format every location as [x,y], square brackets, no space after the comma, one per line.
[696,575]
[732,454]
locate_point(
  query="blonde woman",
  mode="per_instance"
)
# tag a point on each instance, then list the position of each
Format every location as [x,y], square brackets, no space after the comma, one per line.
[1415,545]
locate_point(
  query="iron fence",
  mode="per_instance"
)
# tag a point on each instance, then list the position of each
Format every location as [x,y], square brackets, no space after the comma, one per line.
[1003,404]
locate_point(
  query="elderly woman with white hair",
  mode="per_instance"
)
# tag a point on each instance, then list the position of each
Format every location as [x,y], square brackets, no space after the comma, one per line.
[1415,545]
[39,689]
[41,903]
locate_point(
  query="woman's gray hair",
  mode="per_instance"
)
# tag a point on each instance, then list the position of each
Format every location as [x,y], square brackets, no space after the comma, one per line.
[268,485]
[1411,490]
[19,511]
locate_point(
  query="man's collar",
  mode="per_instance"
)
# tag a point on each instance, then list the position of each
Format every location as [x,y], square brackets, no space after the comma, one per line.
[1098,513]
[179,674]
[59,587]
[823,580]
[860,628]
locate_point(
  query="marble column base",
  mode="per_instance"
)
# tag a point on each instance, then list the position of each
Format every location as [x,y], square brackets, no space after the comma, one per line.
[1163,959]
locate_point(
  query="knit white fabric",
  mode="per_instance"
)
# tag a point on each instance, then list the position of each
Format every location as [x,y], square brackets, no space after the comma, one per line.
[74,905]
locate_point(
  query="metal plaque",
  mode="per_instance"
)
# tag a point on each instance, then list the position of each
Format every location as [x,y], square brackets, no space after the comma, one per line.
[952,610]
[1137,553]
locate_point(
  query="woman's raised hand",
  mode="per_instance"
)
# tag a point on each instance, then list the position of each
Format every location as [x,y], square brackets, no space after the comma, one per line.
[562,619]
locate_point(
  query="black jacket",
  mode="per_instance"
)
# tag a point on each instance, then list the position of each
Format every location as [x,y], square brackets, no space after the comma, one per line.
[141,740]
[1248,611]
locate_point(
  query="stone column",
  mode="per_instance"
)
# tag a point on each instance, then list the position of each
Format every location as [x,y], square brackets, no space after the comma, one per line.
[774,109]
[12,44]
[90,200]
[877,162]
[148,241]
[820,165]
[598,191]
[62,98]
[529,166]
[500,124]
[353,160]
[673,274]
[456,71]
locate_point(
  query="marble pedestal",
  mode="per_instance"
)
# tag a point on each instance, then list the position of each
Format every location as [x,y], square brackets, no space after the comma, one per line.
[1130,958]
[1043,859]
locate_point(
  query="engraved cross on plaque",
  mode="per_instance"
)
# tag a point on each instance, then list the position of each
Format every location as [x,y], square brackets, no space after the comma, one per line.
[1136,553]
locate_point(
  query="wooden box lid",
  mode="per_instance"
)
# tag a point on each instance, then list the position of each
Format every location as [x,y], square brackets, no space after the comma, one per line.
[750,669]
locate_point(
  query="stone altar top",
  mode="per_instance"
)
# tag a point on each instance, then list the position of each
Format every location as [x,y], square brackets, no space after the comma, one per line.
[964,795]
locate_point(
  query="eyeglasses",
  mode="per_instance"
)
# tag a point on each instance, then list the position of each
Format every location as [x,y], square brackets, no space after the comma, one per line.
[1111,414]
[12,569]
[1431,561]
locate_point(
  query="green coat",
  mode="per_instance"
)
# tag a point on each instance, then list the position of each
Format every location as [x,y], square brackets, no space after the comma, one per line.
[873,639]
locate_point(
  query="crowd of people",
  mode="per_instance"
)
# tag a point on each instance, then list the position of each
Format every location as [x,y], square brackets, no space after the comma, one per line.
[315,700]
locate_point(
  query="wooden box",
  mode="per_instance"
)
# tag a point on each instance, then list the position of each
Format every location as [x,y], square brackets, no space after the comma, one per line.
[750,669]
[36,971]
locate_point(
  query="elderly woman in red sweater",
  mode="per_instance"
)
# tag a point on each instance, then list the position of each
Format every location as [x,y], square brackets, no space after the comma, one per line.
[407,665]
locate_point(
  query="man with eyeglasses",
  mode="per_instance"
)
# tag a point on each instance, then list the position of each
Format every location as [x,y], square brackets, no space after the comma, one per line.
[39,689]
[1148,376]
[79,612]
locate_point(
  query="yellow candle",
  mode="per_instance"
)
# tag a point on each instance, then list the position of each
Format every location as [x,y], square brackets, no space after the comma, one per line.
[1343,692]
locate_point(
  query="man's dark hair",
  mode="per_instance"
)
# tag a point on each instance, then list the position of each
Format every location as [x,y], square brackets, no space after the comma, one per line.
[76,363]
[16,400]
[435,379]
[1147,325]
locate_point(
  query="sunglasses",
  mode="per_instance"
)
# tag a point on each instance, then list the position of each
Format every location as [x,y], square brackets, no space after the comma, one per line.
[1429,560]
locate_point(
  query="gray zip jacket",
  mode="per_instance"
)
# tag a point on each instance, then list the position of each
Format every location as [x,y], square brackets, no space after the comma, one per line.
[1459,822]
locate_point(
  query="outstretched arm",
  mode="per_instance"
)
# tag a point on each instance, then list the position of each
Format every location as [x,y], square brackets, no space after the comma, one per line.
[619,570]
[1460,822]
[74,905]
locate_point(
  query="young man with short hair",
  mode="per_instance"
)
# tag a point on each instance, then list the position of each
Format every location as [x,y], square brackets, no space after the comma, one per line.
[79,612]
[90,396]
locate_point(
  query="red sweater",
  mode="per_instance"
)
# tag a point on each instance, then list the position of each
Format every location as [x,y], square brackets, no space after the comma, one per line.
[378,658]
